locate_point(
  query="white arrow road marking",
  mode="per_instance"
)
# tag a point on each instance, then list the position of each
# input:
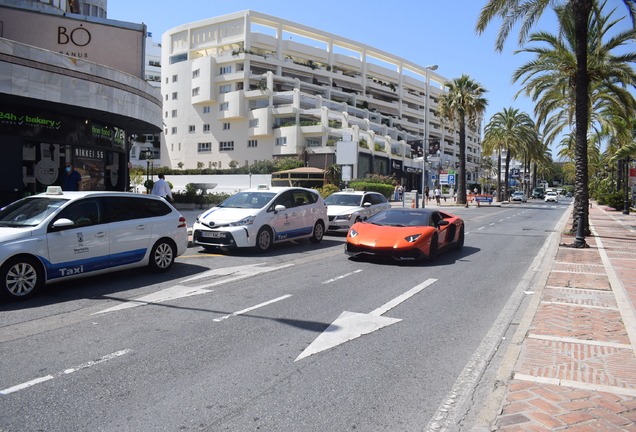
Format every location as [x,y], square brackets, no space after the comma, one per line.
[241,312]
[65,372]
[181,291]
[351,325]
[248,270]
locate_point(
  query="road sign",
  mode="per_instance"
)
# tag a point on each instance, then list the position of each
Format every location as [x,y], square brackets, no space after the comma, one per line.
[483,198]
[451,178]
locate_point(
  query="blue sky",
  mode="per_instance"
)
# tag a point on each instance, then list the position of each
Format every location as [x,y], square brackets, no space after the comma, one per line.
[423,31]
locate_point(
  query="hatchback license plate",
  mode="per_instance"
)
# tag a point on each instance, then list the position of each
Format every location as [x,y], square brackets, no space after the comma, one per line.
[213,234]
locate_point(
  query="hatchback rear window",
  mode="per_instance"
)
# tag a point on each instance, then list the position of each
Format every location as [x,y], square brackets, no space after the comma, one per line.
[154,207]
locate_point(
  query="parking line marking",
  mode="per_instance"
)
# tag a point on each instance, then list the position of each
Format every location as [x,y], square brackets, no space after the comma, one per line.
[65,372]
[341,277]
[241,312]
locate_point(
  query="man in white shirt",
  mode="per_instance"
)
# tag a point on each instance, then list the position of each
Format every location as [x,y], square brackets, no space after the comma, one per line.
[162,188]
[438,195]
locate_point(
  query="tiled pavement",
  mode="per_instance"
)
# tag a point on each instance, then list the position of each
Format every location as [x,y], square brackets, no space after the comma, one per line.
[573,366]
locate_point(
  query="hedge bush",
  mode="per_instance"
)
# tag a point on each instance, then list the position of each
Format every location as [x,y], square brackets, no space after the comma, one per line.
[385,189]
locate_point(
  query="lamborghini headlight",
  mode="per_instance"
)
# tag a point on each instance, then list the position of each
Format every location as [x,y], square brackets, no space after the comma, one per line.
[412,238]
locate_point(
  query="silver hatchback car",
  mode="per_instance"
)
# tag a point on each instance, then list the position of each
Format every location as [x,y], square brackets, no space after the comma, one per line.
[346,208]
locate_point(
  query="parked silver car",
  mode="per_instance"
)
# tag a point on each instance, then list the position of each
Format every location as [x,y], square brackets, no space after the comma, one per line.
[346,208]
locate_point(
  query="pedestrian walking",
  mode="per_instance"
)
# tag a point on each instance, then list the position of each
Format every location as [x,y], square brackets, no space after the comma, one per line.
[438,195]
[427,192]
[162,188]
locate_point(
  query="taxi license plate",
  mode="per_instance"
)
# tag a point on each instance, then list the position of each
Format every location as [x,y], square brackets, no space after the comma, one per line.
[213,234]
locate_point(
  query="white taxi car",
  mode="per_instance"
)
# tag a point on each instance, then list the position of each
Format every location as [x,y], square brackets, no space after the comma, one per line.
[348,207]
[59,235]
[261,216]
[551,196]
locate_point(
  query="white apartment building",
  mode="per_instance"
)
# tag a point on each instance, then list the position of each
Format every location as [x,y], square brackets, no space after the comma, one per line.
[247,86]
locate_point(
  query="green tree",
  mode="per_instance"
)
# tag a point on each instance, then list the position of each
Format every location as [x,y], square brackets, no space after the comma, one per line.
[511,131]
[462,102]
[528,12]
[333,174]
[136,176]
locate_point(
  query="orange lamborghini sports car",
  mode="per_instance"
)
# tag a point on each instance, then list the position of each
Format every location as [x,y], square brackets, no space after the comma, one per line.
[406,234]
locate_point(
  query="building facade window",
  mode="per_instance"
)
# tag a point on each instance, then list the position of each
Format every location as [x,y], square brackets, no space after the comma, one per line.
[254,123]
[174,131]
[175,78]
[195,91]
[191,128]
[224,106]
[206,109]
[196,73]
[226,145]
[166,96]
[281,141]
[252,143]
[204,147]
[225,88]
[226,126]
[225,70]
[178,58]
[174,95]
[206,128]
[174,113]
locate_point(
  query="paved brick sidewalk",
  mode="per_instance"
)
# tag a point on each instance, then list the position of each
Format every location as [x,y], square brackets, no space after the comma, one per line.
[574,367]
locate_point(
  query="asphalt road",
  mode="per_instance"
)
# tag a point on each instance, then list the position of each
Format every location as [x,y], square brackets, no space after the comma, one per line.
[239,341]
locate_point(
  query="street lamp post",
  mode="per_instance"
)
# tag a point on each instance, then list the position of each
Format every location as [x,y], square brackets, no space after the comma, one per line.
[439,169]
[150,161]
[425,137]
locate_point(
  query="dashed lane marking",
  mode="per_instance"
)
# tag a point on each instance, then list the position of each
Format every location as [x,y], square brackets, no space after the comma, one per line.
[341,277]
[88,364]
[260,305]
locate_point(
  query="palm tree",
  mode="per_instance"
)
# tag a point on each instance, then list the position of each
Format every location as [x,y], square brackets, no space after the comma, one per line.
[548,80]
[529,12]
[512,131]
[488,169]
[463,102]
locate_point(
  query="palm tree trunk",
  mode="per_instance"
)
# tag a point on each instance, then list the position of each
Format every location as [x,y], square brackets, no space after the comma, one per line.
[499,175]
[461,183]
[507,185]
[582,10]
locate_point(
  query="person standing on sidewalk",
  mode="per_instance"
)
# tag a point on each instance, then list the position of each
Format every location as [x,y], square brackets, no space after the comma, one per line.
[162,188]
[427,192]
[72,179]
[438,195]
